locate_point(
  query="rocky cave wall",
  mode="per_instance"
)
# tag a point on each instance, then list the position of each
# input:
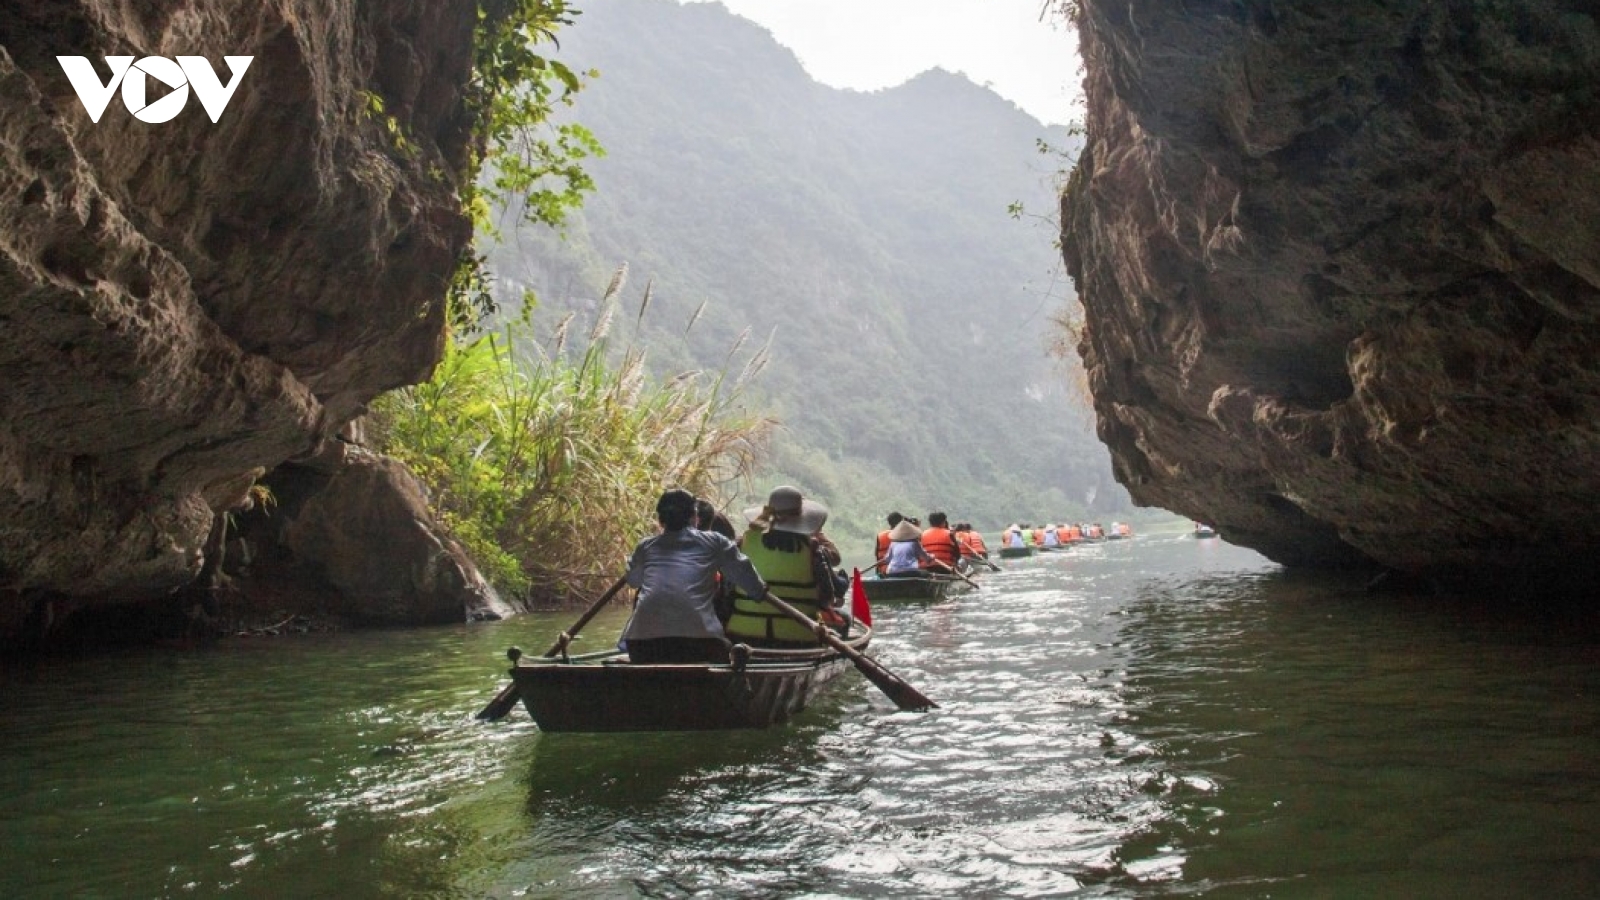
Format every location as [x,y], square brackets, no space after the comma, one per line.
[1340,268]
[186,304]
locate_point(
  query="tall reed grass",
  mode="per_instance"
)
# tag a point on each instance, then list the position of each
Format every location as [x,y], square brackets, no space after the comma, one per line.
[546,461]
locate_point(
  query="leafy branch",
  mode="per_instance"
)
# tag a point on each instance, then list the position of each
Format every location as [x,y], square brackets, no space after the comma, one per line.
[513,96]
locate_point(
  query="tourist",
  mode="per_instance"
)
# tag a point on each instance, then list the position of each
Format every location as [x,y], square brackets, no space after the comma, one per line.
[708,519]
[785,542]
[941,546]
[971,541]
[675,573]
[906,555]
[881,548]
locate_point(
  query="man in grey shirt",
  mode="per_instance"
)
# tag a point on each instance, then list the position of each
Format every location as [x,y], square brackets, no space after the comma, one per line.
[675,572]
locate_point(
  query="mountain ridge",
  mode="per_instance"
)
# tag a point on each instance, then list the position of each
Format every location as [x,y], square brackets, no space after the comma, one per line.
[868,231]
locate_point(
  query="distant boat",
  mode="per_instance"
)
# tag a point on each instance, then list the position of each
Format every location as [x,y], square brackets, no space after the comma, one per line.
[909,587]
[1015,552]
[605,692]
[1204,531]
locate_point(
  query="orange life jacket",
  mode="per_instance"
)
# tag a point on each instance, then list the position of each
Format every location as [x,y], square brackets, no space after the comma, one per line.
[972,543]
[1038,537]
[940,544]
[1074,533]
[882,550]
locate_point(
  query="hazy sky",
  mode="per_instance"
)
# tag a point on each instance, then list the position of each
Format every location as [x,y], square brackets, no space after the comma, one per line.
[871,44]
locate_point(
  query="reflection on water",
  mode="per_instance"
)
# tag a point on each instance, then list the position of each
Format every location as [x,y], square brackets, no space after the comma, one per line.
[1156,717]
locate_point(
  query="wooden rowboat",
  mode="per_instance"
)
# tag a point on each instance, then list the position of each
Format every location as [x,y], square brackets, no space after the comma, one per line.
[909,588]
[605,692]
[1015,552]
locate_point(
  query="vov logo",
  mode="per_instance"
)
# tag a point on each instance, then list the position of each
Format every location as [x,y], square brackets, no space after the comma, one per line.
[180,76]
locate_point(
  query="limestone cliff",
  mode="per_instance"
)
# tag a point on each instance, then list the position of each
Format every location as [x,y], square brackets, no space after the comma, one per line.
[1340,264]
[188,303]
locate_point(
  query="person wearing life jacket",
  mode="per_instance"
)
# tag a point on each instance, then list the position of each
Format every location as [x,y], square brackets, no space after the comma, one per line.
[676,572]
[971,541]
[1049,537]
[1012,537]
[1096,532]
[881,549]
[785,543]
[940,543]
[1064,534]
[1038,537]
[905,556]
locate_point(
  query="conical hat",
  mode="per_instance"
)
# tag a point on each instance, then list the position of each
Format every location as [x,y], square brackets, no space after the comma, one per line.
[905,531]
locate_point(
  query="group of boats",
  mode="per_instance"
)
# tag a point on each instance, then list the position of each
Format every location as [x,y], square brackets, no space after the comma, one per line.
[758,687]
[1025,540]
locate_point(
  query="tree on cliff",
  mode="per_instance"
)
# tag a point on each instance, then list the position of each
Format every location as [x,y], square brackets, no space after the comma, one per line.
[519,153]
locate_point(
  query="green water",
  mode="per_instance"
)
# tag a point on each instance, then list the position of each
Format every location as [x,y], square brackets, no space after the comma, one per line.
[1158,717]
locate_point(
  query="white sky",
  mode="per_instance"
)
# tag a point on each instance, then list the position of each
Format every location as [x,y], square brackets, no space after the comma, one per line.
[870,44]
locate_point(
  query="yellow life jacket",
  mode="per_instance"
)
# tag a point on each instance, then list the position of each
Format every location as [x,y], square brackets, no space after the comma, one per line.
[790,578]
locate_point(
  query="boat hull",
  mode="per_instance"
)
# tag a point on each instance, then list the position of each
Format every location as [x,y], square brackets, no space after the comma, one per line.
[603,692]
[924,588]
[1015,552]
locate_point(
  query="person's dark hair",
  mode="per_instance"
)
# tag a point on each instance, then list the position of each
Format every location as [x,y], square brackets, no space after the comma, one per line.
[711,520]
[675,509]
[938,520]
[895,519]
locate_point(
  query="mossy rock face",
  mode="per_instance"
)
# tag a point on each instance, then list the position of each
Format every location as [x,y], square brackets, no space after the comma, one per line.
[1341,276]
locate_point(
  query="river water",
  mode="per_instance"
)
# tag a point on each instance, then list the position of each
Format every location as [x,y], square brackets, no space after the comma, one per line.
[1156,717]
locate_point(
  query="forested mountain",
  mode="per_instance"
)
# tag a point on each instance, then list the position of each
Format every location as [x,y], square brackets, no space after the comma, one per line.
[869,233]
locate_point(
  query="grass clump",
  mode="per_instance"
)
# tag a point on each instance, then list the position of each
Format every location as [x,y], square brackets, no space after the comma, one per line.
[546,461]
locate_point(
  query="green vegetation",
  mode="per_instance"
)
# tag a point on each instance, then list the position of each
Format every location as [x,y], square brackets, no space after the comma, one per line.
[544,462]
[528,158]
[868,232]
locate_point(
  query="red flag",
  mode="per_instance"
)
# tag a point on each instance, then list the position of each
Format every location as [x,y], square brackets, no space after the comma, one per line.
[859,608]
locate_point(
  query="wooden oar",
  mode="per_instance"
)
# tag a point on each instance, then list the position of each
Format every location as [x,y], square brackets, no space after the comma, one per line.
[904,695]
[985,561]
[951,569]
[506,700]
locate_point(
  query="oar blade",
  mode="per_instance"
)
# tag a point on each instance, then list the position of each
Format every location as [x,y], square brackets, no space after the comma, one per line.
[501,706]
[904,695]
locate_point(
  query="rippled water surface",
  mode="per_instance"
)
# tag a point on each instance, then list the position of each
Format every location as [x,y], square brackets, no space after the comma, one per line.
[1162,716]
